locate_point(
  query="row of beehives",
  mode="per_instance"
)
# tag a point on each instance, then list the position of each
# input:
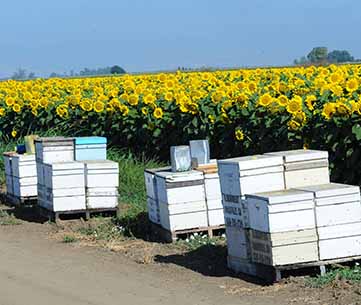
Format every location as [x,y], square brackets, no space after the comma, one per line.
[280,209]
[66,174]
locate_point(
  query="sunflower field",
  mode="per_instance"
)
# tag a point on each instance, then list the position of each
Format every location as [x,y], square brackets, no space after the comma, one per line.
[240,111]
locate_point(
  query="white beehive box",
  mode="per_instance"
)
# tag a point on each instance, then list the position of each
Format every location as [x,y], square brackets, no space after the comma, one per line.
[183,216]
[283,248]
[212,186]
[281,211]
[340,241]
[304,167]
[181,200]
[102,197]
[251,174]
[338,219]
[64,175]
[180,187]
[62,200]
[101,182]
[25,187]
[54,149]
[23,166]
[101,173]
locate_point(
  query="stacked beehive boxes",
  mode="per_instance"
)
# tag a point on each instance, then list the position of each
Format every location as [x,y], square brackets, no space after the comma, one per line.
[175,199]
[59,151]
[306,219]
[20,173]
[24,175]
[282,227]
[74,174]
[304,167]
[238,177]
[64,187]
[181,197]
[338,219]
[101,183]
[101,175]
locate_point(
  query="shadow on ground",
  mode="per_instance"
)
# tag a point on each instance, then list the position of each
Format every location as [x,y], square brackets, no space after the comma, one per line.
[208,260]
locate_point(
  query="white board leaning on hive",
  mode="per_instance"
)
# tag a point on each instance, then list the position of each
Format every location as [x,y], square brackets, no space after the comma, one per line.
[304,167]
[338,219]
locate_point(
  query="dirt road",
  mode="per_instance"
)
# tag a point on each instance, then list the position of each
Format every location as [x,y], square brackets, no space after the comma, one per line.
[37,270]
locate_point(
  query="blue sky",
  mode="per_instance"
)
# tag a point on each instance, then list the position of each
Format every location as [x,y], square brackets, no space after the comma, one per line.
[57,36]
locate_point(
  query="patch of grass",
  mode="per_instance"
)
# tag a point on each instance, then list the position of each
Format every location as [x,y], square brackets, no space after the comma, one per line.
[131,180]
[349,274]
[7,219]
[196,240]
[102,229]
[69,239]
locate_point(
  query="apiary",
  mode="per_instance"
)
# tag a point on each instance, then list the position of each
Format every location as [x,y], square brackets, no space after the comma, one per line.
[101,183]
[303,167]
[90,148]
[338,219]
[182,202]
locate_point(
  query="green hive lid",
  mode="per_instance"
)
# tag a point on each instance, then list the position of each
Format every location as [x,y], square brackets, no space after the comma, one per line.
[90,140]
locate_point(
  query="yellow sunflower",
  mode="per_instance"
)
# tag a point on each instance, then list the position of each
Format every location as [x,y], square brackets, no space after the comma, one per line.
[158,113]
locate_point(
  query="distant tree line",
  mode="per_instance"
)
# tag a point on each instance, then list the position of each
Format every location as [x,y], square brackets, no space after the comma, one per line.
[320,55]
[91,72]
[22,74]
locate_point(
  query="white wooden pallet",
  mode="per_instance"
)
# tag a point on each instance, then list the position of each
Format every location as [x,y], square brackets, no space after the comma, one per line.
[274,273]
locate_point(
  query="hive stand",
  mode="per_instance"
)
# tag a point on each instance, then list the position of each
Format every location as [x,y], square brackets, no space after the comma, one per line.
[172,236]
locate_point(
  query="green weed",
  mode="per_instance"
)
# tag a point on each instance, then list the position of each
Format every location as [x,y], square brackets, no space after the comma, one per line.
[350,274]
[69,239]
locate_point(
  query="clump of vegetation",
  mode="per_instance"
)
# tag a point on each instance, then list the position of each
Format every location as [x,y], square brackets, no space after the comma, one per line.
[348,274]
[197,240]
[7,219]
[102,229]
[69,239]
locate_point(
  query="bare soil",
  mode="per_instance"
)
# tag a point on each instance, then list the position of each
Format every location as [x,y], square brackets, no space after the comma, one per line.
[37,267]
